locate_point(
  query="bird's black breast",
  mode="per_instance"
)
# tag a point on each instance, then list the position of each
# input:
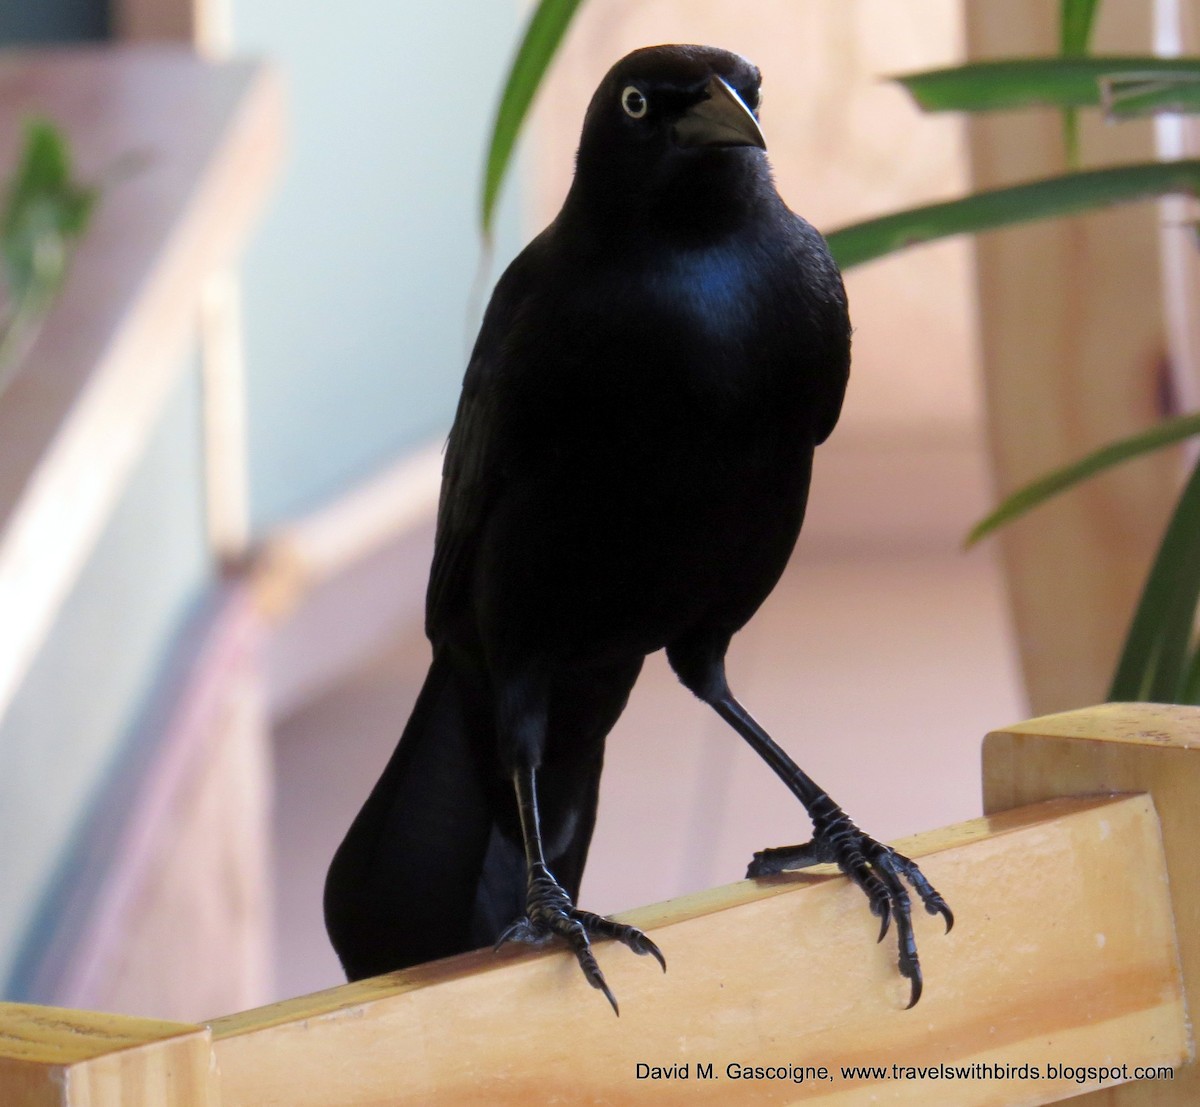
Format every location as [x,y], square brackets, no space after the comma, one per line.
[651,423]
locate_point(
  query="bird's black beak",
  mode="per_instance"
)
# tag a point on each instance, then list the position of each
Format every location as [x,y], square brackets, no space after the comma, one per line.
[720,119]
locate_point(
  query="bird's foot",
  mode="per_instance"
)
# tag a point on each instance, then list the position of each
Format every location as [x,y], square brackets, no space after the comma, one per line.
[550,913]
[877,869]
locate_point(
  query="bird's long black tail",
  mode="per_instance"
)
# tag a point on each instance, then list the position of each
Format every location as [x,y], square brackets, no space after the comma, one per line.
[405,884]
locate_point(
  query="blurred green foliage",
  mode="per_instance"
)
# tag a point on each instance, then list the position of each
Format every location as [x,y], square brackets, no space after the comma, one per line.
[44,214]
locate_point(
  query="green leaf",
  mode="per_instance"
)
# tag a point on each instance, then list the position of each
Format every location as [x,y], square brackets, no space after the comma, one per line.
[1038,82]
[1153,662]
[1076,20]
[1191,679]
[1168,681]
[44,170]
[543,34]
[1069,194]
[1031,495]
[1132,98]
[45,210]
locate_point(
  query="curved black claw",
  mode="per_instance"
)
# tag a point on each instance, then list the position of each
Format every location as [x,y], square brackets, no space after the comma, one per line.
[550,913]
[600,927]
[877,869]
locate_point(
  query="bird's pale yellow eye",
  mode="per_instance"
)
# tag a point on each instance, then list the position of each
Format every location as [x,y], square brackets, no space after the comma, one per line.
[634,102]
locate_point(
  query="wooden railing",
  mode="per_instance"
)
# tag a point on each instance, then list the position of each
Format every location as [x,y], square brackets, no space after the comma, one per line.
[1075,954]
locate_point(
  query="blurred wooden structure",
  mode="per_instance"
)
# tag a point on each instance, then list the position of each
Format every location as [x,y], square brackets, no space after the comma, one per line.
[202,144]
[204,26]
[1073,339]
[186,151]
[1076,946]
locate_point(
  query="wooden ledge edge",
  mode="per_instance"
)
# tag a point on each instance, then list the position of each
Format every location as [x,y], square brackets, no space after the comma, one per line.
[1163,725]
[65,1036]
[658,916]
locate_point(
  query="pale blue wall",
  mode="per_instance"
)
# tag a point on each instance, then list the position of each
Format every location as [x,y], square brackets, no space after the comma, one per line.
[357,285]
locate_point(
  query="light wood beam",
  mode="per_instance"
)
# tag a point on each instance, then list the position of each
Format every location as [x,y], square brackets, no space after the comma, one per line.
[1119,747]
[1047,964]
[54,1057]
[223,377]
[1051,964]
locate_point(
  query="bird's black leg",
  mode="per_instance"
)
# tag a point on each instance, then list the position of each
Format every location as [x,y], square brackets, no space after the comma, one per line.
[877,869]
[549,911]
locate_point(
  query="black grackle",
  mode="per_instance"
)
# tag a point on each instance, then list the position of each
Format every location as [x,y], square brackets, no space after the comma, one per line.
[627,472]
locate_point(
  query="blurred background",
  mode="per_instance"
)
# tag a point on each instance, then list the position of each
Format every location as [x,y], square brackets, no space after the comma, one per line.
[219,462]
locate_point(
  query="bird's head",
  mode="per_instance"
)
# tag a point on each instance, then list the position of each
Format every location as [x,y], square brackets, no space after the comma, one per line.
[668,123]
